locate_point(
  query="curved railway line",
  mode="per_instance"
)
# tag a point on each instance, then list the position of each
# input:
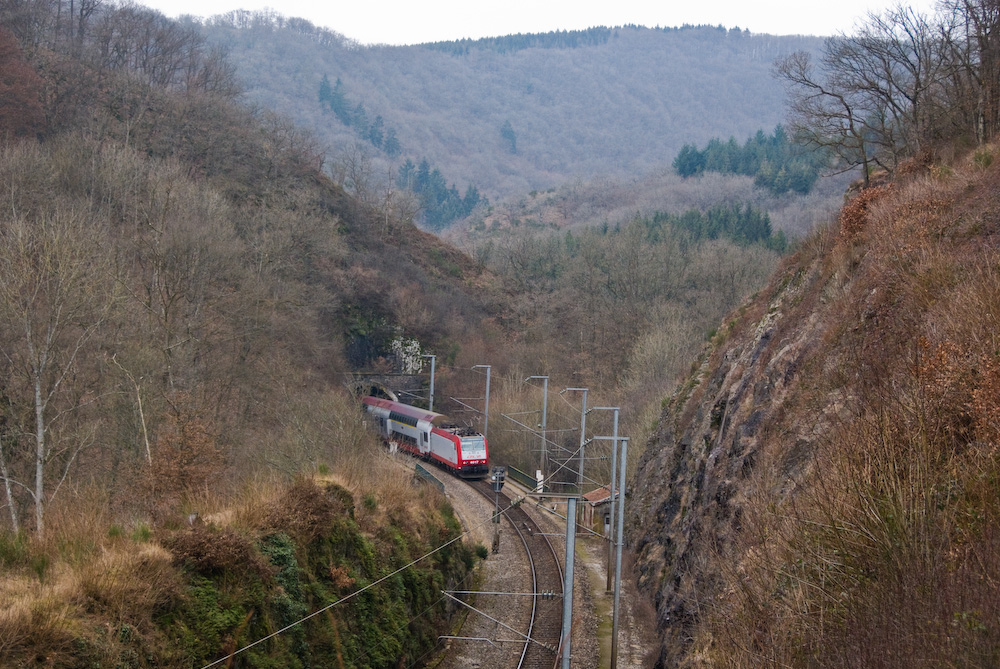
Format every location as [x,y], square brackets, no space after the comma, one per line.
[541,651]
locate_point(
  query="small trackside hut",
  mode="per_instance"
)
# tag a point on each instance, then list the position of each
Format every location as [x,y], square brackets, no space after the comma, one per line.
[430,436]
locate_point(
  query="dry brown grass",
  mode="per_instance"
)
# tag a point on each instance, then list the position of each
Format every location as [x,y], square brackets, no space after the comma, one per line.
[391,494]
[248,506]
[128,581]
[84,571]
[103,564]
[886,553]
[37,616]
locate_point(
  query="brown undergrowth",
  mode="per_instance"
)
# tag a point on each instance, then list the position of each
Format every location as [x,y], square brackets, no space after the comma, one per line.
[98,588]
[886,552]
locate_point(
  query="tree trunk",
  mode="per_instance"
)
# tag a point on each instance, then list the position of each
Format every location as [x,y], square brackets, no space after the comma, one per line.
[9,491]
[39,457]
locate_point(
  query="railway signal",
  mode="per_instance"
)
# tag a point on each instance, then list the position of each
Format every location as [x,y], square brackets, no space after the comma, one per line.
[497,477]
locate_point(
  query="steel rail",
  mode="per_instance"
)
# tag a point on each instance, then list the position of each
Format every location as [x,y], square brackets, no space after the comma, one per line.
[484,488]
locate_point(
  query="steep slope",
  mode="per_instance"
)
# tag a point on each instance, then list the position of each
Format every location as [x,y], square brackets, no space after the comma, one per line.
[181,292]
[822,488]
[209,264]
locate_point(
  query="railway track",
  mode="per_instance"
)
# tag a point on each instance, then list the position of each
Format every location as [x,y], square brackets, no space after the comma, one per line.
[545,626]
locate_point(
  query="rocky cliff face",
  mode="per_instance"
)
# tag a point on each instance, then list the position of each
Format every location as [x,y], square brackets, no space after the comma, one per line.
[696,476]
[746,441]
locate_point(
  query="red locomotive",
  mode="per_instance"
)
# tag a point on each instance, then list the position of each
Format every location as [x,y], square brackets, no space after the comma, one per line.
[429,435]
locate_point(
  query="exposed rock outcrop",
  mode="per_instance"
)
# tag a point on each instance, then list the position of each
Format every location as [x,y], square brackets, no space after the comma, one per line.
[693,479]
[857,316]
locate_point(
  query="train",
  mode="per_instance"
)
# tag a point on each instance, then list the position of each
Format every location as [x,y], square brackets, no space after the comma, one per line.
[429,435]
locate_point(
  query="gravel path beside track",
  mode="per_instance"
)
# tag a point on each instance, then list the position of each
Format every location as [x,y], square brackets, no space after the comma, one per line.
[503,571]
[506,571]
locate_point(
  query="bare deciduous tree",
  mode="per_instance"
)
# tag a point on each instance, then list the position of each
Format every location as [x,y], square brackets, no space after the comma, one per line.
[31,21]
[56,294]
[20,89]
[971,32]
[878,94]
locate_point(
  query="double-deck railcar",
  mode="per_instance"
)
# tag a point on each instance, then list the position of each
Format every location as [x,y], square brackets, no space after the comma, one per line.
[431,436]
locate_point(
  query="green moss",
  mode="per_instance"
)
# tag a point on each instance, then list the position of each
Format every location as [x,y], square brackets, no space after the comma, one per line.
[397,619]
[280,551]
[205,620]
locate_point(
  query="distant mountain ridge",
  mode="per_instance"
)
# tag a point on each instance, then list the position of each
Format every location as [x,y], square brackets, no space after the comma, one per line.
[572,105]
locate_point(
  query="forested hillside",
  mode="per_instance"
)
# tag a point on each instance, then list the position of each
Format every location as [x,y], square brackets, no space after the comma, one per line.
[188,282]
[181,292]
[520,113]
[185,292]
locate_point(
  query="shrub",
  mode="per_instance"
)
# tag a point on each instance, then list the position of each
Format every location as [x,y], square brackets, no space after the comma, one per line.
[308,510]
[983,158]
[214,552]
[142,533]
[854,215]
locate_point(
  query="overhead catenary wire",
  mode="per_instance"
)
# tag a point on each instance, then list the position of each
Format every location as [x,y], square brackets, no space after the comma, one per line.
[566,454]
[354,594]
[417,661]
[440,599]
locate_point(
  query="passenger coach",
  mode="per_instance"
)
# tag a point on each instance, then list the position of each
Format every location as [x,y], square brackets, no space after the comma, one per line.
[430,436]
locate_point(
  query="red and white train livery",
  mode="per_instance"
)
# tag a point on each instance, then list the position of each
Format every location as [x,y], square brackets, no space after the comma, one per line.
[429,435]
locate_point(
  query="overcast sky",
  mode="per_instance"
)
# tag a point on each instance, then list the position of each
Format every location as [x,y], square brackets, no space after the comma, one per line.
[416,21]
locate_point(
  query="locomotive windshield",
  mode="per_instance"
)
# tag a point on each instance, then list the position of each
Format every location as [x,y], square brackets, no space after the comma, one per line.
[474,448]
